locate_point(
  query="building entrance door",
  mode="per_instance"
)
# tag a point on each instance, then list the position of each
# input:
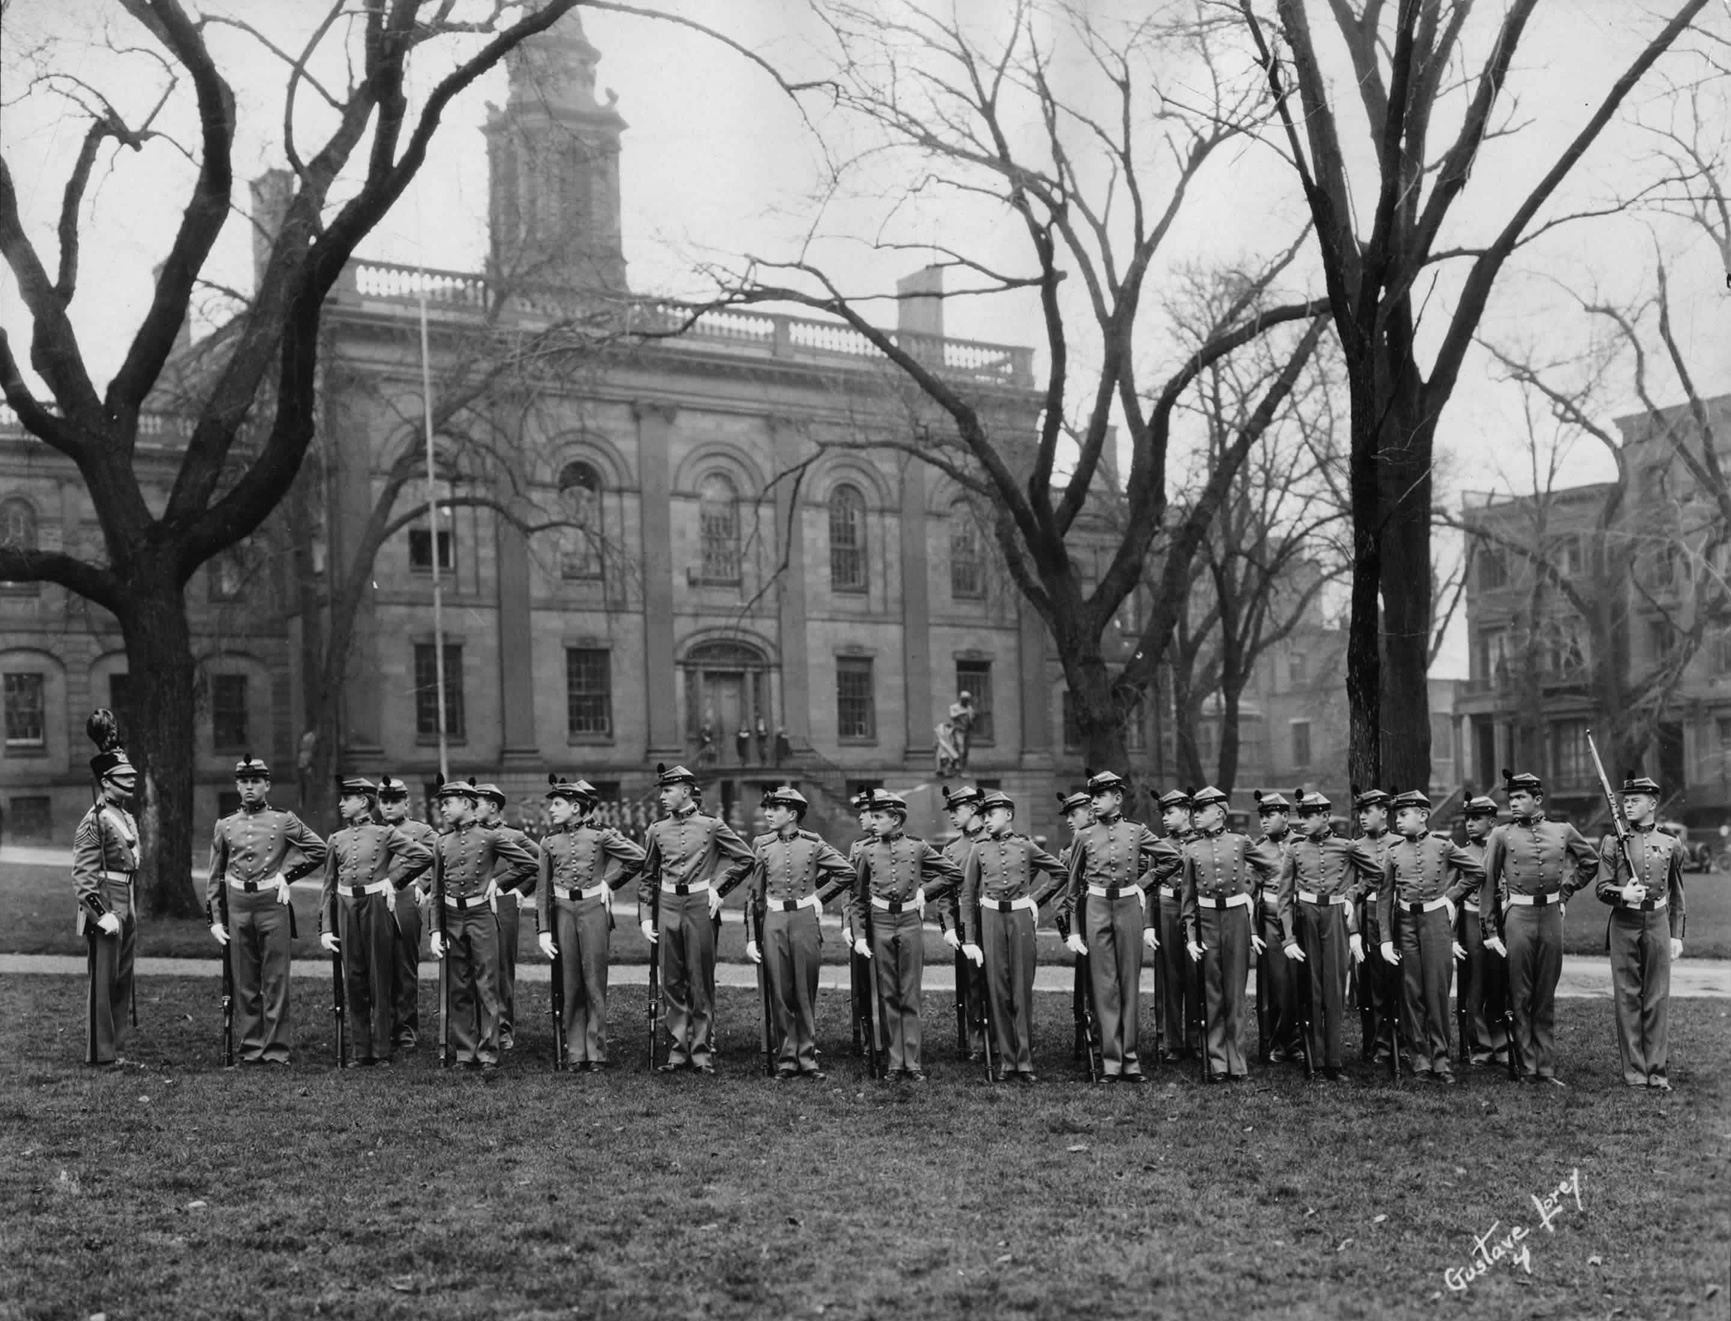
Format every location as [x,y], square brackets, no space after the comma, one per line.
[724,707]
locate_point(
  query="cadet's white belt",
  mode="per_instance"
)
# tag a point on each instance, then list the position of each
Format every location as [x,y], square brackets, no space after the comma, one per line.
[1646,905]
[1168,891]
[675,887]
[893,905]
[1326,900]
[462,905]
[1011,905]
[1239,900]
[356,891]
[1430,906]
[250,887]
[792,905]
[1535,900]
[1116,891]
[574,893]
[1469,907]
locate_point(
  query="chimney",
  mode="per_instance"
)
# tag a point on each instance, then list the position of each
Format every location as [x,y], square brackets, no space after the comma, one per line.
[920,302]
[272,192]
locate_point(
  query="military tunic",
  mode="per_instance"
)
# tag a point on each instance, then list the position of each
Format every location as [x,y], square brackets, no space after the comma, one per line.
[1424,880]
[786,874]
[1110,863]
[508,914]
[1528,868]
[1320,882]
[104,865]
[465,861]
[1484,979]
[406,1022]
[998,906]
[367,863]
[1224,874]
[883,908]
[970,981]
[248,851]
[1639,938]
[685,855]
[580,866]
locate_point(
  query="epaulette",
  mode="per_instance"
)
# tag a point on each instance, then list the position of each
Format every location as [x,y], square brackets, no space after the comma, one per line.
[811,835]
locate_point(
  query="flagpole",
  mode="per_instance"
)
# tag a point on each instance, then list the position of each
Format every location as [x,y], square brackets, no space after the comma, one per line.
[433,524]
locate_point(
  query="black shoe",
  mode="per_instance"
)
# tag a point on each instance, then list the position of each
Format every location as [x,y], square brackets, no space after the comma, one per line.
[816,1075]
[507,1041]
[707,1070]
[489,1069]
[592,1066]
[669,1067]
[1331,1072]
[1027,1079]
[1135,1079]
[973,1057]
[1552,1080]
[1278,1056]
[1443,1076]
[1660,1084]
[914,1075]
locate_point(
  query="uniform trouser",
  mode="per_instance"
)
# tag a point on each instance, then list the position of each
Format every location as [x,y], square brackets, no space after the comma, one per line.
[1533,936]
[472,985]
[1426,946]
[1376,983]
[1276,989]
[507,912]
[1178,990]
[406,1020]
[582,931]
[1112,930]
[1327,957]
[898,963]
[974,991]
[1007,940]
[1484,989]
[1225,969]
[792,942]
[110,961]
[258,951]
[1641,991]
[367,941]
[687,944]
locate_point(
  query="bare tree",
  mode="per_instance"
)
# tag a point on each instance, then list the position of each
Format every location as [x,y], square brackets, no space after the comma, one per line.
[259,375]
[1412,71]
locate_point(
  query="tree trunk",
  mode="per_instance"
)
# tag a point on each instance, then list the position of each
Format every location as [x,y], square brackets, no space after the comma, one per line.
[1364,630]
[1100,723]
[164,738]
[1229,740]
[1405,574]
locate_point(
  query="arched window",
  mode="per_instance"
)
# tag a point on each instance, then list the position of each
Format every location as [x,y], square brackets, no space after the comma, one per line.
[580,501]
[967,563]
[847,540]
[718,528]
[18,532]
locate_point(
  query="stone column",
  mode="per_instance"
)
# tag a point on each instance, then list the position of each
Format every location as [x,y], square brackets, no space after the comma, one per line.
[661,689]
[916,614]
[518,746]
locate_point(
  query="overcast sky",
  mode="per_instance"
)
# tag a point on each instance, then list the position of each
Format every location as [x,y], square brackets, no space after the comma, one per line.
[718,163]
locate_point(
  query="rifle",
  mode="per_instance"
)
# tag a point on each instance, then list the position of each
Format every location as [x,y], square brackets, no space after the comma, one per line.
[1508,1008]
[655,1006]
[444,964]
[1619,826]
[1159,994]
[1306,1008]
[339,1006]
[227,982]
[1085,970]
[1202,1006]
[866,1022]
[556,997]
[986,1034]
[754,915]
[1461,967]
[1261,994]
[1396,992]
[962,969]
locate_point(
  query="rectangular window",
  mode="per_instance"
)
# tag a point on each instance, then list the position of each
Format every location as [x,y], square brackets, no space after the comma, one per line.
[1661,638]
[1491,655]
[226,575]
[1570,761]
[25,727]
[229,728]
[975,679]
[1493,569]
[967,562]
[427,691]
[588,692]
[1300,744]
[1297,669]
[855,702]
[1722,653]
[1136,729]
[1725,740]
[421,550]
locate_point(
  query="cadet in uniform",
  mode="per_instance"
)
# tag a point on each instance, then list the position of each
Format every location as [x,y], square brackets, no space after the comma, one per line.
[250,853]
[1177,989]
[1484,983]
[581,863]
[1320,878]
[1110,862]
[367,863]
[104,865]
[690,863]
[1276,976]
[790,865]
[394,811]
[1528,866]
[892,869]
[1425,877]
[998,905]
[465,860]
[1224,874]
[1645,932]
[508,909]
[963,805]
[1376,980]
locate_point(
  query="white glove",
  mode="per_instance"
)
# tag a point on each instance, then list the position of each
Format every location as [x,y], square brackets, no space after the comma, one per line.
[1633,892]
[975,953]
[1449,908]
[1150,938]
[109,923]
[951,938]
[329,942]
[920,901]
[752,952]
[1258,944]
[1389,953]
[437,941]
[862,949]
[1294,952]
[1194,950]
[1676,948]
[1460,951]
[490,896]
[1495,943]
[220,932]
[648,929]
[1356,945]
[391,901]
[282,889]
[1074,943]
[714,901]
[547,946]
[420,896]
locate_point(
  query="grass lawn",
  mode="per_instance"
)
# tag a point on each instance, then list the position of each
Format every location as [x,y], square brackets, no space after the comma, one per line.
[37,902]
[175,1189]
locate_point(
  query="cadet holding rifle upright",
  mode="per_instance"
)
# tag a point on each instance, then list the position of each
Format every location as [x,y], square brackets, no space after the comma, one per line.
[1642,879]
[1078,813]
[1378,981]
[1484,978]
[104,864]
[411,896]
[1277,1028]
[507,909]
[963,805]
[1177,990]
